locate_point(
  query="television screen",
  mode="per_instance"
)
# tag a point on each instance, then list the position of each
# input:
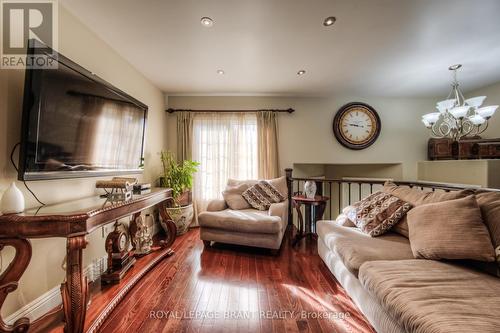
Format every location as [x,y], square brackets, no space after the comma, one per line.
[77,125]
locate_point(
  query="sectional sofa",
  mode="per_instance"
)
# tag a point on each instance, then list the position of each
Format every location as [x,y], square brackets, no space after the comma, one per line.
[399,293]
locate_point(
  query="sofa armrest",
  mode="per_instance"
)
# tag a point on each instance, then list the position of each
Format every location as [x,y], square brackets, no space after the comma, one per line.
[279,209]
[216,205]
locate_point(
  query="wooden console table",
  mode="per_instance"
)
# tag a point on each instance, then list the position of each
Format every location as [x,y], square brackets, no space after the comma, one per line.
[72,220]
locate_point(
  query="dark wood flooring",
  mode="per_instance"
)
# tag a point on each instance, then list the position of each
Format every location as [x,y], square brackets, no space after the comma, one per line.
[235,289]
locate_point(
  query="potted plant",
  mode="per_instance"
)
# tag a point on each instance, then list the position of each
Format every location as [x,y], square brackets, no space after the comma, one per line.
[179,178]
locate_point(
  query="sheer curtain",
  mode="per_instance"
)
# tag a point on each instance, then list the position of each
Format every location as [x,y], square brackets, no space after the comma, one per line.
[225,144]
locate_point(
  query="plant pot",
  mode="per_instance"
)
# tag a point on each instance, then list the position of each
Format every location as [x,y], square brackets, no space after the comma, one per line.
[181,216]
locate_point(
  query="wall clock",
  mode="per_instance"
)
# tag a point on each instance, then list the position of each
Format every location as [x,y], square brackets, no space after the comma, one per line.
[356,125]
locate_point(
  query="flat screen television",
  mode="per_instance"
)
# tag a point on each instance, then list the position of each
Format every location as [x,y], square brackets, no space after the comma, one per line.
[75,124]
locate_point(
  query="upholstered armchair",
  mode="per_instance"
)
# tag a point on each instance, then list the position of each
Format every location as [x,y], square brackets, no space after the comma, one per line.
[245,225]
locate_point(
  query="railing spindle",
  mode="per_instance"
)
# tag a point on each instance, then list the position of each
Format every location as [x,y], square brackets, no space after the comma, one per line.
[349,184]
[340,197]
[331,198]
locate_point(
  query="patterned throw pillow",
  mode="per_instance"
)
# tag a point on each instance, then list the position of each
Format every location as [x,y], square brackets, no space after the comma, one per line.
[380,213]
[261,195]
[351,211]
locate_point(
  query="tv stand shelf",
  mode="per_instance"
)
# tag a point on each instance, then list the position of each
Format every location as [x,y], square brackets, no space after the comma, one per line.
[74,220]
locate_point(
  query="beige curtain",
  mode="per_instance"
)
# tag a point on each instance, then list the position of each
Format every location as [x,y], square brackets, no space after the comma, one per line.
[184,135]
[267,127]
[185,148]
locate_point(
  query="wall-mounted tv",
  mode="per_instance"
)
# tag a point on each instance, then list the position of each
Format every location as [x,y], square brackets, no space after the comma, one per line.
[77,125]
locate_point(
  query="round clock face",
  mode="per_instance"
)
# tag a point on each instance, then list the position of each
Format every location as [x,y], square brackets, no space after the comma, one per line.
[122,242]
[356,125]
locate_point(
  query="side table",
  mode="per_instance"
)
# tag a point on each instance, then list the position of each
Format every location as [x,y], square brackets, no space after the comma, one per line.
[307,227]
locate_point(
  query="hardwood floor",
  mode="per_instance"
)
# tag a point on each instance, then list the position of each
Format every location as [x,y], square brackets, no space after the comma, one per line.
[235,289]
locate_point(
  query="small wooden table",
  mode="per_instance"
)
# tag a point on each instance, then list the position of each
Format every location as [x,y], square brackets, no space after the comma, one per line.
[72,220]
[307,228]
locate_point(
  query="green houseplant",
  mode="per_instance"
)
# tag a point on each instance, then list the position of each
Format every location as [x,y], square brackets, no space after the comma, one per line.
[179,177]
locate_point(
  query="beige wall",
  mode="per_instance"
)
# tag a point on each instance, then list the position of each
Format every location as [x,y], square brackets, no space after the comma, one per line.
[306,136]
[471,172]
[84,47]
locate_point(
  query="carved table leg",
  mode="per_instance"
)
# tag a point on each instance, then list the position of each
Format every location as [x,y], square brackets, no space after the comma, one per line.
[75,290]
[171,228]
[10,278]
[300,219]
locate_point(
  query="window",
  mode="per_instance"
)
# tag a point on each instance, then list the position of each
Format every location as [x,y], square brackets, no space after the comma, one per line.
[225,144]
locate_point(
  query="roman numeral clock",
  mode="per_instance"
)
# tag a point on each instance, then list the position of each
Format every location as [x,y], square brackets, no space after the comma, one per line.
[356,125]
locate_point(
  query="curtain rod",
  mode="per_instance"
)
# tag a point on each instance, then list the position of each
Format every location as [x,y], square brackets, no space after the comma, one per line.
[170,110]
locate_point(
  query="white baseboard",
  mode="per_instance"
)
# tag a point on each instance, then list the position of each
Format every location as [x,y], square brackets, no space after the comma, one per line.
[38,307]
[52,298]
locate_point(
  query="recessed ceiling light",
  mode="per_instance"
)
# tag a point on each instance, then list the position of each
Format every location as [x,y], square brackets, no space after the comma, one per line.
[329,21]
[301,72]
[220,72]
[207,22]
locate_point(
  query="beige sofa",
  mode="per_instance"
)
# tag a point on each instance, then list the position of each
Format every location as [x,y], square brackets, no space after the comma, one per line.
[398,293]
[248,227]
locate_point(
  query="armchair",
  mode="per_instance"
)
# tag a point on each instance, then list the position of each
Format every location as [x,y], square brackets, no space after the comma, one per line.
[248,227]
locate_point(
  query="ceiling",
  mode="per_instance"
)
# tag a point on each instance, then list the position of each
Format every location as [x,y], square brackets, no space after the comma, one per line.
[376,47]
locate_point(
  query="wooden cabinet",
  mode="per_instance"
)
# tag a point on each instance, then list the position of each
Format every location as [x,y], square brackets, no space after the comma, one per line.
[468,149]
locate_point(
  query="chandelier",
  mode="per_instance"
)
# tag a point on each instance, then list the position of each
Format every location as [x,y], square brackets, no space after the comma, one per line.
[458,117]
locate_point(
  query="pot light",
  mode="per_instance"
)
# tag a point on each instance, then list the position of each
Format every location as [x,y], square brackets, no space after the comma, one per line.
[301,72]
[220,72]
[329,21]
[207,22]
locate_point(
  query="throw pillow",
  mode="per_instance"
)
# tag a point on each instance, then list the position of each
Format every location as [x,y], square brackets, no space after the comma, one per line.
[261,195]
[417,197]
[349,212]
[450,229]
[280,183]
[233,195]
[380,213]
[489,203]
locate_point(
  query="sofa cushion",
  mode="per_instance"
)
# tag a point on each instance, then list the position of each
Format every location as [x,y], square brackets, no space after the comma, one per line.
[261,195]
[233,195]
[450,229]
[377,215]
[434,296]
[354,247]
[417,197]
[246,220]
